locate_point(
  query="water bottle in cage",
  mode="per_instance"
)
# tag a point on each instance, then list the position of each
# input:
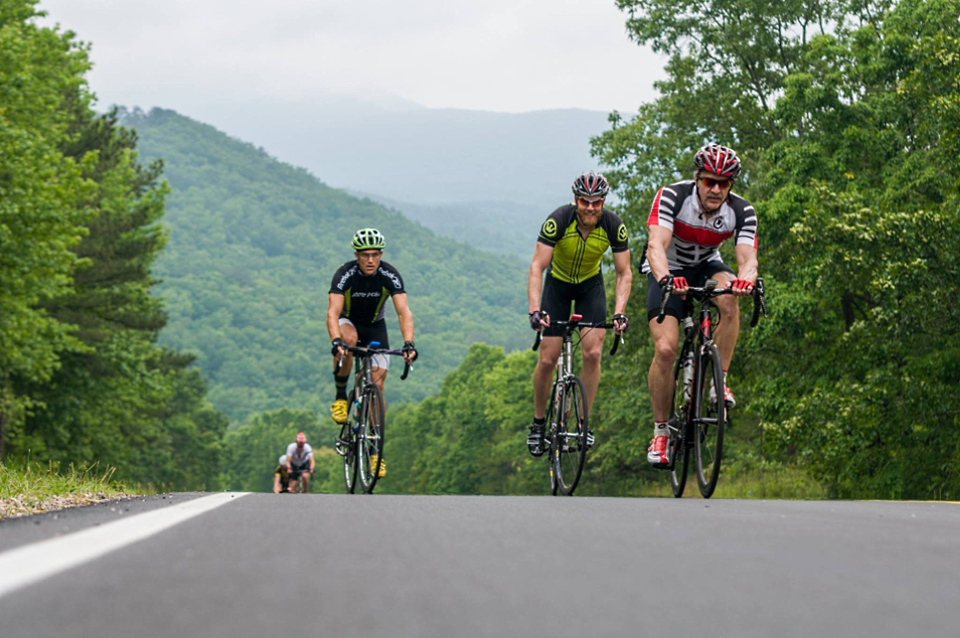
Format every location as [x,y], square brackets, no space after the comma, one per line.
[687,372]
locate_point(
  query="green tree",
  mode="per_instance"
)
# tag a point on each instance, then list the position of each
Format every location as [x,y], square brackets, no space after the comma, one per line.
[41,195]
[846,115]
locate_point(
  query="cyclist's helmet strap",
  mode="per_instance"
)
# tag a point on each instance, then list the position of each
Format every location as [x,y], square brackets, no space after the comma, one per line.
[718,160]
[368,239]
[590,184]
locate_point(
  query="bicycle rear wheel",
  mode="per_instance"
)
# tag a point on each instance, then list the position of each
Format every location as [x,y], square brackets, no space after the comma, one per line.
[570,452]
[370,438]
[709,420]
[348,440]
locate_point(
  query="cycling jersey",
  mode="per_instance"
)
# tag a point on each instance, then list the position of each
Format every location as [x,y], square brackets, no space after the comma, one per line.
[298,459]
[364,295]
[696,238]
[576,259]
[281,471]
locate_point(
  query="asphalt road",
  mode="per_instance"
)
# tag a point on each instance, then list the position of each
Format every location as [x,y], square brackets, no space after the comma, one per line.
[394,566]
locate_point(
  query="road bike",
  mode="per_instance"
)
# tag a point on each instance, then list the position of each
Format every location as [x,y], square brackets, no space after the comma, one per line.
[362,437]
[568,431]
[698,414]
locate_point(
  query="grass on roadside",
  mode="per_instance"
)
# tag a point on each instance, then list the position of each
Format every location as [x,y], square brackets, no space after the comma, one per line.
[33,488]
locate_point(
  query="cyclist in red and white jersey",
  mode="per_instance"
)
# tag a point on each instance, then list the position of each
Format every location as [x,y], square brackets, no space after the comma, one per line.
[688,222]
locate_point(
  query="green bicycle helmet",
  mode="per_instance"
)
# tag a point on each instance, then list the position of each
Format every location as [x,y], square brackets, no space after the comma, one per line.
[368,239]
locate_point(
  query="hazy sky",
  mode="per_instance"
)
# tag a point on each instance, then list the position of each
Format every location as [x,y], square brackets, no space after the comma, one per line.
[499,55]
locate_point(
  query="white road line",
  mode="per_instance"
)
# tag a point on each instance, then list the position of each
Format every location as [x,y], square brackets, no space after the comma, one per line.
[26,565]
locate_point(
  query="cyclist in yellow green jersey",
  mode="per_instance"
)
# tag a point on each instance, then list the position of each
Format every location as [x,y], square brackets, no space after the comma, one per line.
[565,270]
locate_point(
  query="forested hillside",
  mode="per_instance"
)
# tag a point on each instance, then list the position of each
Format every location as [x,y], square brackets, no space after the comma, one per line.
[82,377]
[253,246]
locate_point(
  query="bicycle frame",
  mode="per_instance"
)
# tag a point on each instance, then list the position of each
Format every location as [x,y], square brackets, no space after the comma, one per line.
[697,337]
[567,386]
[564,370]
[355,434]
[690,419]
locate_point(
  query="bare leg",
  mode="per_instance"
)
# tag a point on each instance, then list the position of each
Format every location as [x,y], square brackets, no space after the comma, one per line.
[379,376]
[660,377]
[592,348]
[349,336]
[543,374]
[728,331]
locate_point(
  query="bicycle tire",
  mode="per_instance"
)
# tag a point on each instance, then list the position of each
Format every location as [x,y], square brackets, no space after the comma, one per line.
[550,439]
[370,437]
[350,452]
[570,454]
[709,421]
[679,441]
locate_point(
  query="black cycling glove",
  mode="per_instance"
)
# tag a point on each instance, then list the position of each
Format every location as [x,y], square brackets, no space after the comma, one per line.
[623,319]
[409,347]
[337,344]
[536,319]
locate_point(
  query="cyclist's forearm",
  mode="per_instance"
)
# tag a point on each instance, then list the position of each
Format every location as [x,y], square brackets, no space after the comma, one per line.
[534,286]
[747,262]
[406,325]
[333,327]
[622,291]
[657,256]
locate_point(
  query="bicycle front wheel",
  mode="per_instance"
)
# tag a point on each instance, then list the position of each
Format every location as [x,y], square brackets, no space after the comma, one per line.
[370,438]
[550,438]
[348,441]
[570,453]
[679,448]
[709,419]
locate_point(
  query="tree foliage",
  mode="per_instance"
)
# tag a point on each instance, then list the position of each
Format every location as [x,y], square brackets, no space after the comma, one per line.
[846,115]
[82,378]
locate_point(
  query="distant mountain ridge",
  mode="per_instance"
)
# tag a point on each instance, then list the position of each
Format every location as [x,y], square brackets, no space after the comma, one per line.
[405,152]
[253,245]
[508,229]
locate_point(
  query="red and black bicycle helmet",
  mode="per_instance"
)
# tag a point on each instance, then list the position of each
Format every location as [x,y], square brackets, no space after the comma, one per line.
[590,184]
[718,160]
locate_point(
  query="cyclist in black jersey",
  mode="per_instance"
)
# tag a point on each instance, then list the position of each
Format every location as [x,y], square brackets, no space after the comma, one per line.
[357,299]
[565,270]
[688,222]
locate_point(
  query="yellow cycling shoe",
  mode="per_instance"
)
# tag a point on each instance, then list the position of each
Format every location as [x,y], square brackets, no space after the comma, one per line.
[383,465]
[339,410]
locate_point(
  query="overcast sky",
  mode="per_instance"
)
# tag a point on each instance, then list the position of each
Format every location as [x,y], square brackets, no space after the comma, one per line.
[498,55]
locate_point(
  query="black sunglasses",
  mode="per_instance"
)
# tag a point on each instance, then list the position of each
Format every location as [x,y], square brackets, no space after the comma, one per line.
[710,182]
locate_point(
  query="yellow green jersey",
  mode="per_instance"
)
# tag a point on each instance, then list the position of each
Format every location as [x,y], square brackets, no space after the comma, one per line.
[576,259]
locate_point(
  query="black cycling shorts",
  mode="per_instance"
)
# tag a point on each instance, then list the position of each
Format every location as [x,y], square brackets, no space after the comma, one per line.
[588,298]
[297,470]
[696,276]
[368,333]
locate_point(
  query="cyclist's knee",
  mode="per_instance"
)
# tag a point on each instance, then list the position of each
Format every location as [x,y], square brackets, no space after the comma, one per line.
[665,351]
[548,359]
[591,356]
[729,307]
